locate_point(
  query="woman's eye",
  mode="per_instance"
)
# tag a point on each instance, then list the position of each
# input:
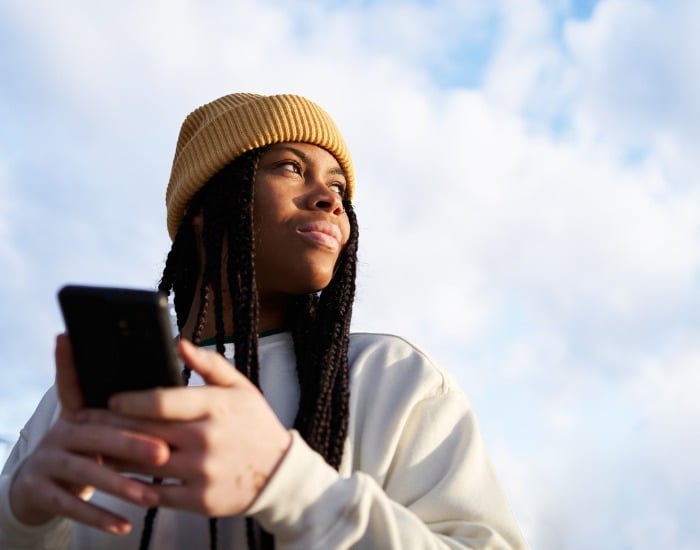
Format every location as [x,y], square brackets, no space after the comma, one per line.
[338,187]
[290,166]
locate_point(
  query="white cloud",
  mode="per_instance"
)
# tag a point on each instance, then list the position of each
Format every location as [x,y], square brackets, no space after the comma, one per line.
[636,86]
[666,395]
[517,76]
[14,270]
[495,211]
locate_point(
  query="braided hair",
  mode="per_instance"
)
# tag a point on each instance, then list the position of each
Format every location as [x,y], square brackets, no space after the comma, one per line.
[320,322]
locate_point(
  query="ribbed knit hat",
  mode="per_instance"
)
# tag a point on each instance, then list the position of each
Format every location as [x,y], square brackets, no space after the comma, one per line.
[216,133]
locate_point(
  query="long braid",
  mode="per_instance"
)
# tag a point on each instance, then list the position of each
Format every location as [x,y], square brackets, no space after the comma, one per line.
[215,207]
[244,299]
[336,307]
[241,272]
[320,323]
[321,336]
[180,275]
[182,266]
[228,217]
[147,530]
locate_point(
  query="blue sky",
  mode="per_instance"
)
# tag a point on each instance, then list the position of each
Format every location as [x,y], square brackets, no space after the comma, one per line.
[528,199]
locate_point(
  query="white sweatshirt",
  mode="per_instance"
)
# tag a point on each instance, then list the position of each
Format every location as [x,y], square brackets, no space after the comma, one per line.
[414,473]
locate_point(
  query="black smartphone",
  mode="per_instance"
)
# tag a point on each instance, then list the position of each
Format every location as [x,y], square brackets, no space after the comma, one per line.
[121,340]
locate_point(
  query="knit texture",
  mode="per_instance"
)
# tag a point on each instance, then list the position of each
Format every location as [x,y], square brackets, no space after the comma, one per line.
[215,134]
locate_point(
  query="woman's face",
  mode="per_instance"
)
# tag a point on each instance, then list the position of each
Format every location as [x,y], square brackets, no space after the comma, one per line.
[300,224]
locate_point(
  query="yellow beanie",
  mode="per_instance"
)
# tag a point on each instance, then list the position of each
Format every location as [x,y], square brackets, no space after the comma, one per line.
[216,133]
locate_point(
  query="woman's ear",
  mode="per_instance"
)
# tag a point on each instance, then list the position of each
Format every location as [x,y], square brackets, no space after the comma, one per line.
[198,223]
[197,229]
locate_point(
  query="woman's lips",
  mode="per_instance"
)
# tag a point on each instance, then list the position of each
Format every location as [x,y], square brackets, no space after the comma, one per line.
[324,234]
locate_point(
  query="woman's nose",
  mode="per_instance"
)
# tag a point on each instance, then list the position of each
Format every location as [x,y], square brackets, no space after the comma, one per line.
[324,198]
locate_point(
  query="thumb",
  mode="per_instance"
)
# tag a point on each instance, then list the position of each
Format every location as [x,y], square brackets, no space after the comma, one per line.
[66,376]
[214,369]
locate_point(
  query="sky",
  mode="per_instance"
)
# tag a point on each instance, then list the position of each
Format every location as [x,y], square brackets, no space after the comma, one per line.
[528,198]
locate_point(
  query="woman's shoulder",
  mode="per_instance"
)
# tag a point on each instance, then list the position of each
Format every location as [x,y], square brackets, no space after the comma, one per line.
[390,343]
[387,358]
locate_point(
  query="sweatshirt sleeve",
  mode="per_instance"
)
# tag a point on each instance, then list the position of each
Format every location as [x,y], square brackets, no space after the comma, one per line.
[419,478]
[55,534]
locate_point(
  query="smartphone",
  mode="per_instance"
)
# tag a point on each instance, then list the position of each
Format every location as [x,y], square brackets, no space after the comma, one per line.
[121,340]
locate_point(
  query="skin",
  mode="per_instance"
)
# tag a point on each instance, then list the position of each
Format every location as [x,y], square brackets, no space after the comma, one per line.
[208,438]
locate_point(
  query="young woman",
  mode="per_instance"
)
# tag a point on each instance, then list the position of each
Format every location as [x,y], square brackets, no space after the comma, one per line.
[318,438]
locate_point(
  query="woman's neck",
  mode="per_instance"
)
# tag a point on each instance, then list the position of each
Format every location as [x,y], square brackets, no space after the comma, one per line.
[272,316]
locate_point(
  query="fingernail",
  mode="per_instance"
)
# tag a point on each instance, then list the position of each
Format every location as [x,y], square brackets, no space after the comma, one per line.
[121,528]
[186,343]
[160,455]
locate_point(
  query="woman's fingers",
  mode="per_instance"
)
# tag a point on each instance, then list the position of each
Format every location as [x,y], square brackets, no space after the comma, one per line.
[98,437]
[52,480]
[172,404]
[76,470]
[66,376]
[68,462]
[67,505]
[214,369]
[184,404]
[59,502]
[216,453]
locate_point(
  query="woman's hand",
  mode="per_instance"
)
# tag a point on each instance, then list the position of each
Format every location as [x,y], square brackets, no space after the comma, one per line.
[71,461]
[225,440]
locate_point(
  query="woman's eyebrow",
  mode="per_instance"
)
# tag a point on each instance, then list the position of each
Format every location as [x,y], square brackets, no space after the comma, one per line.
[293,150]
[336,170]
